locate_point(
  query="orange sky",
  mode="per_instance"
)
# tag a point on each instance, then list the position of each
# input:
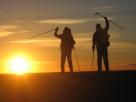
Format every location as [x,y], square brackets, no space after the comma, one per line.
[21,19]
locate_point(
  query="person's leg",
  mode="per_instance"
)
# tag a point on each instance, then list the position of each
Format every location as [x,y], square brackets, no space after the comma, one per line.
[99,59]
[63,59]
[69,57]
[106,60]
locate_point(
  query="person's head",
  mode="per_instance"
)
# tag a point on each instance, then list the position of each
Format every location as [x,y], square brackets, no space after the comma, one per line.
[67,31]
[98,27]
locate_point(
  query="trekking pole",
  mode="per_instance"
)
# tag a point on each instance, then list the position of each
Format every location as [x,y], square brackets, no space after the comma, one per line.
[93,61]
[41,34]
[77,59]
[117,25]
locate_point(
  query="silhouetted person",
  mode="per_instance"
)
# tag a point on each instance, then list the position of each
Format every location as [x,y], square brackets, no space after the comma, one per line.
[67,44]
[101,42]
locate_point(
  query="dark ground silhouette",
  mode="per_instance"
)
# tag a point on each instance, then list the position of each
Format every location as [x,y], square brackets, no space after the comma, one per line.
[69,87]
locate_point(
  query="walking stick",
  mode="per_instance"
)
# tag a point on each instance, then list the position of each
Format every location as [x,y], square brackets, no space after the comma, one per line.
[41,34]
[117,25]
[77,59]
[93,60]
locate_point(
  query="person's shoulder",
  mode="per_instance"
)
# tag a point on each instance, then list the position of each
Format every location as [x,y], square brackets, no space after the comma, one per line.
[95,33]
[105,30]
[61,35]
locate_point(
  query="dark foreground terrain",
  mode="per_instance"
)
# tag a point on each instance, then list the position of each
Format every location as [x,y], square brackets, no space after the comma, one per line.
[77,87]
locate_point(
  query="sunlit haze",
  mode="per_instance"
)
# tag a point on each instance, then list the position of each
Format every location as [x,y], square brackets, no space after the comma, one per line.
[19,65]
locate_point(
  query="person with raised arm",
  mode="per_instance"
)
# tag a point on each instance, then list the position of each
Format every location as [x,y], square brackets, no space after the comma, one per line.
[101,43]
[67,44]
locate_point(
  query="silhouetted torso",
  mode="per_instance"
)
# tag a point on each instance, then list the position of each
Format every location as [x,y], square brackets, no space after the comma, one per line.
[101,38]
[67,42]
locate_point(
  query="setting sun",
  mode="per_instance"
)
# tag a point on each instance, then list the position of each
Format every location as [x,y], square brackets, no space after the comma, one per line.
[19,65]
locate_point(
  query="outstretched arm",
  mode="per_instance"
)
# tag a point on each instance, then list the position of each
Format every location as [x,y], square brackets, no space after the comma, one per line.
[56,33]
[107,23]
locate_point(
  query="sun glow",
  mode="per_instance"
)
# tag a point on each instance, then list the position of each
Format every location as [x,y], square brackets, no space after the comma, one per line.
[19,65]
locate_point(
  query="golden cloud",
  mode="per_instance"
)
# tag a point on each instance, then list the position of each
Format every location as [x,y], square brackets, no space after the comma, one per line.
[69,21]
[7,30]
